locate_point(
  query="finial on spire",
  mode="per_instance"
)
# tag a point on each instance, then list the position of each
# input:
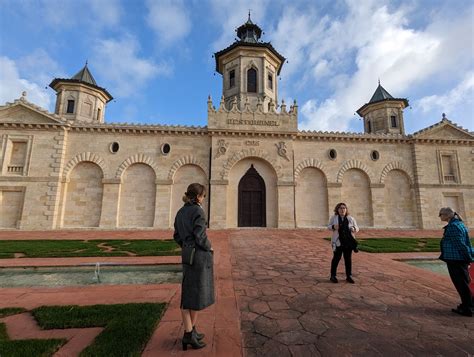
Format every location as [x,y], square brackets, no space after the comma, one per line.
[86,62]
[249,14]
[379,81]
[444,115]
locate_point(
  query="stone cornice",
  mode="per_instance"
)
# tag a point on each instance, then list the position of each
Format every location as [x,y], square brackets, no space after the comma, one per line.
[40,126]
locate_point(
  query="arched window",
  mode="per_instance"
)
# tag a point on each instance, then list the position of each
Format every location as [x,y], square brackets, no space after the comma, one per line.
[252,80]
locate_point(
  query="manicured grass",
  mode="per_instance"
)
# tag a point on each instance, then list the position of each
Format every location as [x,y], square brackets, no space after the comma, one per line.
[21,348]
[7,311]
[399,245]
[78,248]
[128,327]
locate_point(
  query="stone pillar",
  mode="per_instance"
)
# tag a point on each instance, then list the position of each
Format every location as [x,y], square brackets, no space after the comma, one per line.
[110,203]
[218,218]
[378,205]
[286,204]
[334,196]
[163,219]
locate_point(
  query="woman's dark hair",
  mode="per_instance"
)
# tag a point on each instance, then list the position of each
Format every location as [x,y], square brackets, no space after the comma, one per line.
[339,205]
[194,190]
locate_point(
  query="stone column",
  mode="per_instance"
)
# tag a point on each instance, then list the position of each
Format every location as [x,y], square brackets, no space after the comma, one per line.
[286,204]
[378,205]
[110,203]
[163,219]
[218,218]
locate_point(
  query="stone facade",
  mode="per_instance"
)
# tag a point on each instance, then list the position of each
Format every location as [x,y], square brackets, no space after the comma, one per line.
[74,170]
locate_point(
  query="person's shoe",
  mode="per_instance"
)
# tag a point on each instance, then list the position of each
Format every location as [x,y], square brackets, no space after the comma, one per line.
[356,250]
[189,338]
[350,280]
[462,311]
[333,279]
[198,335]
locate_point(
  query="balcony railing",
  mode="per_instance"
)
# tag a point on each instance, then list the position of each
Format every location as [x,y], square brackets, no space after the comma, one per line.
[450,178]
[15,169]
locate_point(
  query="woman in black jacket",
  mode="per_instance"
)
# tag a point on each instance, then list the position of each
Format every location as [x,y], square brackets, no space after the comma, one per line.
[197,288]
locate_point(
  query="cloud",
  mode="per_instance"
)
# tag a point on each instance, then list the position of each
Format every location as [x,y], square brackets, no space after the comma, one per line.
[169,19]
[118,63]
[345,55]
[40,68]
[12,85]
[230,14]
[462,94]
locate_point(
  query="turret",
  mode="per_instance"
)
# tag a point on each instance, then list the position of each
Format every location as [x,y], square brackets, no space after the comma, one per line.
[79,98]
[249,69]
[383,113]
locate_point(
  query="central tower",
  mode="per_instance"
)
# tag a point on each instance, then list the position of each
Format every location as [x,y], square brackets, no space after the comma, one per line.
[249,69]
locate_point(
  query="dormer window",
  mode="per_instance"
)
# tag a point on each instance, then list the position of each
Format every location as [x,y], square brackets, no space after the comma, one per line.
[393,120]
[270,81]
[70,107]
[252,80]
[232,78]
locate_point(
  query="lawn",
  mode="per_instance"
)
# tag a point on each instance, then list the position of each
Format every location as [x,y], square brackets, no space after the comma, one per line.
[91,248]
[127,329]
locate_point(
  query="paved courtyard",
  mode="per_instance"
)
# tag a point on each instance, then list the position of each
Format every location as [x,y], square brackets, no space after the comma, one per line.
[274,299]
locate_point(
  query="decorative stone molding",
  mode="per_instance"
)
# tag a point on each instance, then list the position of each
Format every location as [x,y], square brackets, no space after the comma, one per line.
[396,165]
[250,152]
[282,150]
[84,157]
[185,160]
[221,148]
[353,164]
[136,159]
[309,163]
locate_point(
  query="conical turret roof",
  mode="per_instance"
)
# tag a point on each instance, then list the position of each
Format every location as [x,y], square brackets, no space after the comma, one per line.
[380,94]
[84,75]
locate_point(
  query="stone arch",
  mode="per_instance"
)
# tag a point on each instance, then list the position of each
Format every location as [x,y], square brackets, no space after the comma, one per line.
[309,163]
[252,152]
[136,159]
[353,164]
[185,160]
[85,156]
[395,165]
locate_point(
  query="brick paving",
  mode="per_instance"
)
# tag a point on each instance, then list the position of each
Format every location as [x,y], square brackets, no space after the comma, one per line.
[274,298]
[289,308]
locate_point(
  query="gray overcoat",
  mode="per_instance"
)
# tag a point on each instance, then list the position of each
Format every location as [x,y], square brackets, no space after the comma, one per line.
[197,288]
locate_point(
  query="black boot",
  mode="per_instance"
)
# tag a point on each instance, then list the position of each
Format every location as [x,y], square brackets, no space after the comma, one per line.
[199,336]
[189,338]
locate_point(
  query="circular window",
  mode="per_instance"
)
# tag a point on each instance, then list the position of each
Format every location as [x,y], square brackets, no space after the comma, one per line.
[332,154]
[114,147]
[375,155]
[165,149]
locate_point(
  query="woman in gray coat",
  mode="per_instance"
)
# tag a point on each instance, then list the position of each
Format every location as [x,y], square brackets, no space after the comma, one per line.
[197,288]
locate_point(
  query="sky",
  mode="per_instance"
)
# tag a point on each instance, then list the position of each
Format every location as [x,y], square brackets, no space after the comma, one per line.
[156,56]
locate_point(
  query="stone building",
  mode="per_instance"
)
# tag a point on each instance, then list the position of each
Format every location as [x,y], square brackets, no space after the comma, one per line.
[71,169]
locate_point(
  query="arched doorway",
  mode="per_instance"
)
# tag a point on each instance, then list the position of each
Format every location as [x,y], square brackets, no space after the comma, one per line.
[252,207]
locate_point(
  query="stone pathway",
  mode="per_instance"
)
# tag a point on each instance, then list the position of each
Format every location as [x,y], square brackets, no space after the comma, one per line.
[289,308]
[274,298]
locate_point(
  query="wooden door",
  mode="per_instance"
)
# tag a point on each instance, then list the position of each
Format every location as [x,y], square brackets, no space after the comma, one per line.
[252,212]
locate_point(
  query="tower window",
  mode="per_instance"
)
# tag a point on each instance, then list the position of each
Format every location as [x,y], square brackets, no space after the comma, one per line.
[70,107]
[270,81]
[393,119]
[232,78]
[98,113]
[252,80]
[369,126]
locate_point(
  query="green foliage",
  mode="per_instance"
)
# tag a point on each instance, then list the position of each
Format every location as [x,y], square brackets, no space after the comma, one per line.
[7,311]
[399,245]
[128,327]
[92,248]
[22,348]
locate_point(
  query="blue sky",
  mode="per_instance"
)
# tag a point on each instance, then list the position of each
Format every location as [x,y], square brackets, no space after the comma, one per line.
[155,56]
